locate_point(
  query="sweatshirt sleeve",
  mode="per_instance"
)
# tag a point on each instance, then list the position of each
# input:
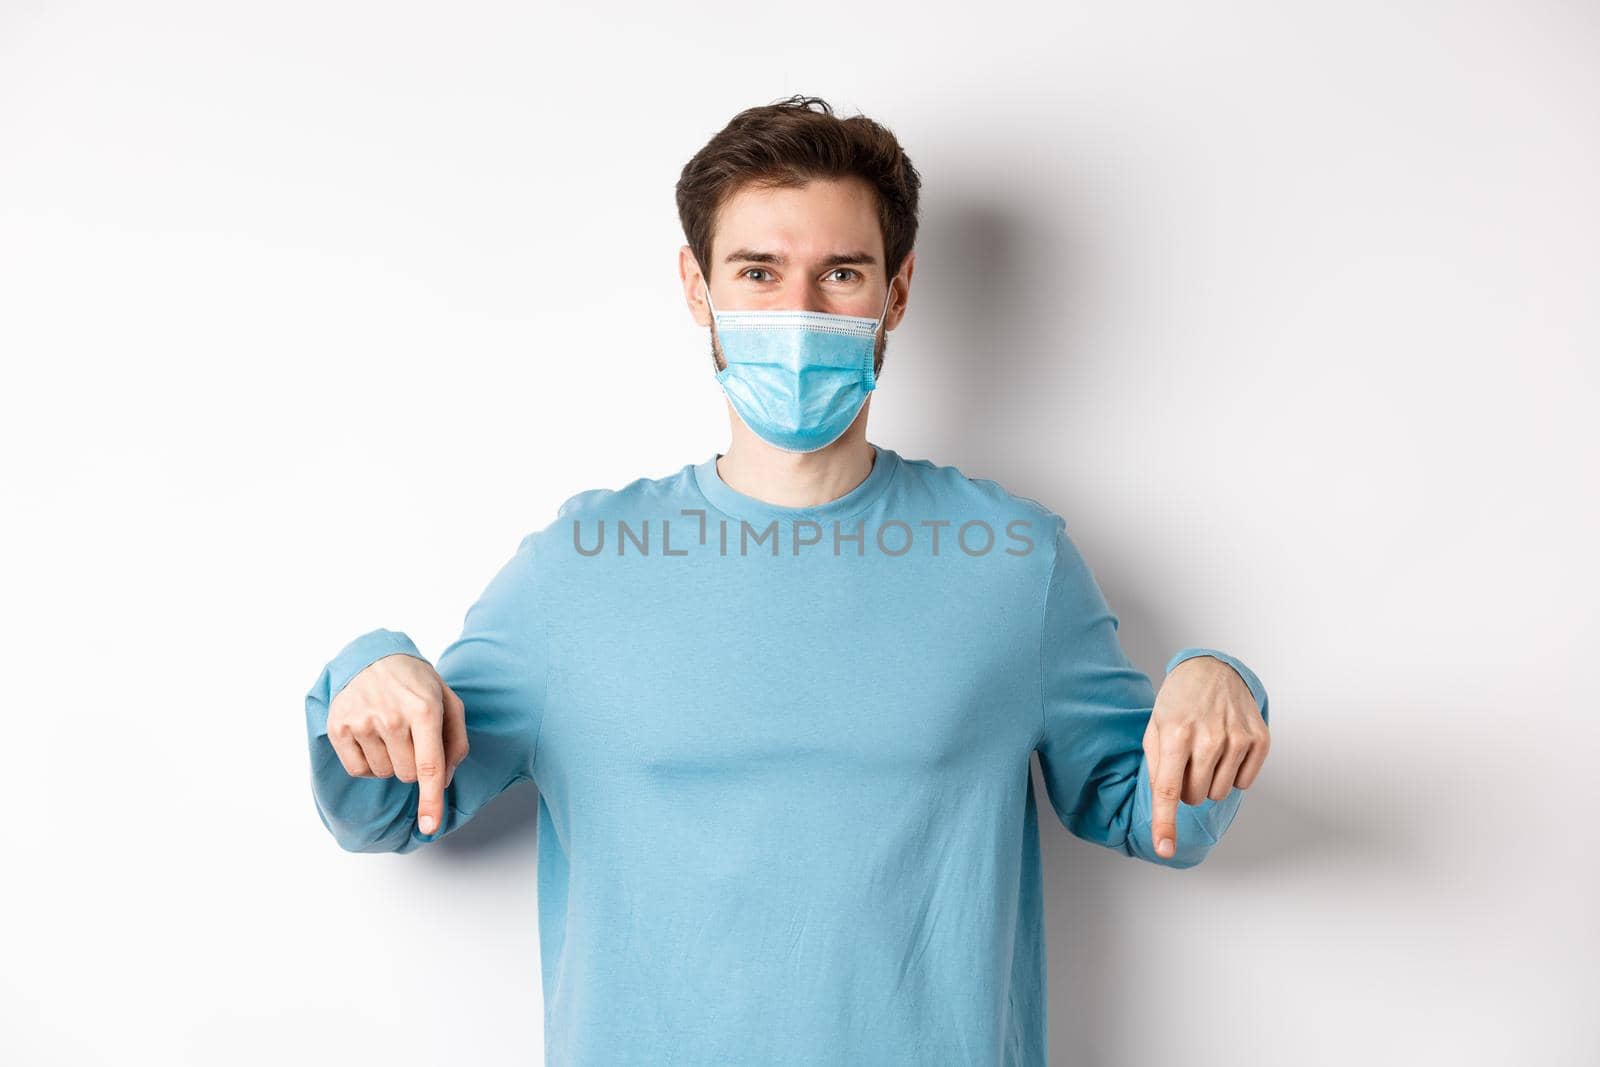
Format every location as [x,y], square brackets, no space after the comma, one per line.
[1096,706]
[497,666]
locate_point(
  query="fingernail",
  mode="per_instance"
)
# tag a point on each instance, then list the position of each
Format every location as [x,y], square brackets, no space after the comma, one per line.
[1165,848]
[425,824]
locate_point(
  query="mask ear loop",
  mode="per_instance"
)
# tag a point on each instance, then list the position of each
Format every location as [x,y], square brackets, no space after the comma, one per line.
[884,313]
[705,283]
[868,373]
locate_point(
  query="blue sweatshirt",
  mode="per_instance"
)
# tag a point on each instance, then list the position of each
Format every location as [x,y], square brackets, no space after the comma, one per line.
[782,757]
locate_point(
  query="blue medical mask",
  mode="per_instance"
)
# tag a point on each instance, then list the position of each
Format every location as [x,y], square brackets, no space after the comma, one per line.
[798,379]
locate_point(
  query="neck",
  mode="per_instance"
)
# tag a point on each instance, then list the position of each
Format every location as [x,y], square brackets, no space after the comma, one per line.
[796,479]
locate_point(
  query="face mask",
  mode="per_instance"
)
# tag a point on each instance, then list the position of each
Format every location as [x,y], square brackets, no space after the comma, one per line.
[798,379]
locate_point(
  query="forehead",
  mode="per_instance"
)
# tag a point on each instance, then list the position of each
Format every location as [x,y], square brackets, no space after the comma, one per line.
[824,216]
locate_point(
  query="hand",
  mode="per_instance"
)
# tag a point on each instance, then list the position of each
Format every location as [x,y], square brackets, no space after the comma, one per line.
[398,718]
[1205,737]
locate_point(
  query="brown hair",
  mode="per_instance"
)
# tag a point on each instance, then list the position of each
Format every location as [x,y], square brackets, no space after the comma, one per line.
[788,143]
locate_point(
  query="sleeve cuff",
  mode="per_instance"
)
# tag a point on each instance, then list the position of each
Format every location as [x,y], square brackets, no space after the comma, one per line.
[1257,690]
[354,658]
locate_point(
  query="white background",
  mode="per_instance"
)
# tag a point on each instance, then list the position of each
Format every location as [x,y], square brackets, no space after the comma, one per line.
[309,311]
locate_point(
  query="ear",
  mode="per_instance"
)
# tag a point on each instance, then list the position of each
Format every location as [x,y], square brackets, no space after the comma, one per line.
[694,284]
[897,306]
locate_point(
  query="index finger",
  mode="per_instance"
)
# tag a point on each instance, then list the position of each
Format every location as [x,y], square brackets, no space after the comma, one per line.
[1166,789]
[427,738]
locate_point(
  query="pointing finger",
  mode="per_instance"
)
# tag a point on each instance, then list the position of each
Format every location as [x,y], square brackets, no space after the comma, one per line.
[427,738]
[1166,789]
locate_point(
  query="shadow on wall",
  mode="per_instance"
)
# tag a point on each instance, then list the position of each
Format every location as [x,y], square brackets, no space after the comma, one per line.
[996,302]
[1377,850]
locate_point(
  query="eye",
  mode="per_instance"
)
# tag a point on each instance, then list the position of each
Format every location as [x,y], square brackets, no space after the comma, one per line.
[845,270]
[746,272]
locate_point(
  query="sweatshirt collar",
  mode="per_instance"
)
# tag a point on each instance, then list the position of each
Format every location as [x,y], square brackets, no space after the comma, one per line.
[733,503]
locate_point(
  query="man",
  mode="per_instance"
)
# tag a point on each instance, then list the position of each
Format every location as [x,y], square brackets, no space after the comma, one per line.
[780,704]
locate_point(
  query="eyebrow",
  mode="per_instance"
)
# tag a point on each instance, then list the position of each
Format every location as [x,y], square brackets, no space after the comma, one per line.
[833,259]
